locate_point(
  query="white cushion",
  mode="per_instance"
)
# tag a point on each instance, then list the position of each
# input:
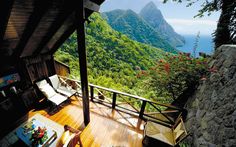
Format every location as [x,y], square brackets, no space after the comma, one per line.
[55,81]
[57,98]
[66,138]
[65,91]
[41,83]
[47,90]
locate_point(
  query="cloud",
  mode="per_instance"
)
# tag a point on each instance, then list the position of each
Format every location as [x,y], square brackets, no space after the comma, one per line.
[192,26]
[192,22]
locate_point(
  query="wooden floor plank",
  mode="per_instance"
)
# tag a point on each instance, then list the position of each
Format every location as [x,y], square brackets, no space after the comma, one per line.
[107,127]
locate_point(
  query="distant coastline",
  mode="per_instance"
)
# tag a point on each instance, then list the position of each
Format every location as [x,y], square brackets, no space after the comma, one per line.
[205,44]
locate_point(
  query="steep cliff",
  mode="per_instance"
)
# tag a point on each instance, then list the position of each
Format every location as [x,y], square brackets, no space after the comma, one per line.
[154,18]
[135,27]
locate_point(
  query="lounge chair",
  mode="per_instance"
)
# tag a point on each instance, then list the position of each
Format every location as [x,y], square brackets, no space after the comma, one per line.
[156,134]
[73,137]
[50,93]
[70,137]
[61,86]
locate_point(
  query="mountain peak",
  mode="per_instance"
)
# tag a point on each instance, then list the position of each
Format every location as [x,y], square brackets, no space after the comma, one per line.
[151,14]
[130,11]
[150,6]
[150,9]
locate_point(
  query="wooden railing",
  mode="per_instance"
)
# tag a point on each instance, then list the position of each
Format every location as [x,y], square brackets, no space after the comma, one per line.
[61,68]
[145,109]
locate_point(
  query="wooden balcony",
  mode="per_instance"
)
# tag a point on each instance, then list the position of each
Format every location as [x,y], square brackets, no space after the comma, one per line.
[108,127]
[117,118]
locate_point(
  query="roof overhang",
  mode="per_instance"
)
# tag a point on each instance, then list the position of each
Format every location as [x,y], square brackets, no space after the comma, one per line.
[33,27]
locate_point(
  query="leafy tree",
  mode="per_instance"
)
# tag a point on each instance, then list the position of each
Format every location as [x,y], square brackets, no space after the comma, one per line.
[171,76]
[226,30]
[112,57]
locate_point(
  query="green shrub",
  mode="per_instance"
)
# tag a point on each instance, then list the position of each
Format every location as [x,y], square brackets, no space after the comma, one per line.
[174,74]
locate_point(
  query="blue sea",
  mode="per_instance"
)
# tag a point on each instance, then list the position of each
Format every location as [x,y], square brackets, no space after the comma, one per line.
[205,44]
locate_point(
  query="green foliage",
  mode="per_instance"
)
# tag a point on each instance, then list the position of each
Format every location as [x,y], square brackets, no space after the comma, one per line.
[113,58]
[182,144]
[170,77]
[135,27]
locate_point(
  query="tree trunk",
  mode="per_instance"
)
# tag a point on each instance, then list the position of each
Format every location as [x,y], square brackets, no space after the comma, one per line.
[222,33]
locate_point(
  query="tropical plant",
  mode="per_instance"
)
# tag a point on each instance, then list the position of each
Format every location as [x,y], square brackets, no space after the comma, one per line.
[172,76]
[112,57]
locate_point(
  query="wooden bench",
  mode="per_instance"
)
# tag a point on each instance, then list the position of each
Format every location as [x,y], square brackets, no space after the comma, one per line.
[158,134]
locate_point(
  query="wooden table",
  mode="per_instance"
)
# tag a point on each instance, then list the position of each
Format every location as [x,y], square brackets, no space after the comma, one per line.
[26,131]
[54,134]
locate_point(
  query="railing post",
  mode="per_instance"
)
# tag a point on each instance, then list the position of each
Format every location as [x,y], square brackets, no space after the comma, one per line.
[91,93]
[142,109]
[114,100]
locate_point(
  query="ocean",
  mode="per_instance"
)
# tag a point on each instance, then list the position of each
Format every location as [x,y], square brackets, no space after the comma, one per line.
[205,44]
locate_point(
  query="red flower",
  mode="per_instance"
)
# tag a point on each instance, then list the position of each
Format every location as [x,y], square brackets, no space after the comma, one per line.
[167,67]
[213,69]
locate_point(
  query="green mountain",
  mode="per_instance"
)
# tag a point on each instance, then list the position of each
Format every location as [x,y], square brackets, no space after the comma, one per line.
[153,16]
[131,24]
[113,58]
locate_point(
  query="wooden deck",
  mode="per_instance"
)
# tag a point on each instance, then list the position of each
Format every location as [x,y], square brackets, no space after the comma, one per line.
[107,127]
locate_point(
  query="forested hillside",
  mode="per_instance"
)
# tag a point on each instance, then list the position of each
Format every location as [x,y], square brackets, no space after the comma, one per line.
[131,24]
[113,59]
[149,26]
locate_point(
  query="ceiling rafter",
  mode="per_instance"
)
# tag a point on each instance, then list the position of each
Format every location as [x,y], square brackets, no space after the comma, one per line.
[91,5]
[62,39]
[55,26]
[40,8]
[5,11]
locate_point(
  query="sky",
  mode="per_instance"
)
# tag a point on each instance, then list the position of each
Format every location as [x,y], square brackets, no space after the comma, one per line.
[180,17]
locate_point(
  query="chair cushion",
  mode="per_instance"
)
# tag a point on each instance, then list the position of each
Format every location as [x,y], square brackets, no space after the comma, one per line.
[41,83]
[159,132]
[55,81]
[47,90]
[66,138]
[178,131]
[57,99]
[65,91]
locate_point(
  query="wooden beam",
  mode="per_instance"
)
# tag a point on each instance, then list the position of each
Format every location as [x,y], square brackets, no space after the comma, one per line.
[5,11]
[55,26]
[80,16]
[40,8]
[99,2]
[62,39]
[91,5]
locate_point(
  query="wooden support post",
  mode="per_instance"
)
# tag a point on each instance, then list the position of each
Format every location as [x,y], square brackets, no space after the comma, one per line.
[91,93]
[114,101]
[142,109]
[83,60]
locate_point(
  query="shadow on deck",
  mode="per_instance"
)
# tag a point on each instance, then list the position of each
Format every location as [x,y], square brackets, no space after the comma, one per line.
[108,127]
